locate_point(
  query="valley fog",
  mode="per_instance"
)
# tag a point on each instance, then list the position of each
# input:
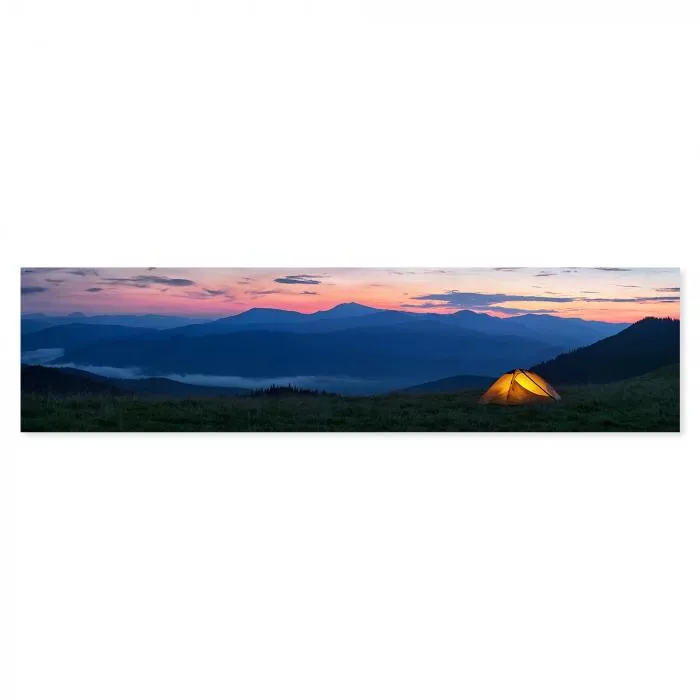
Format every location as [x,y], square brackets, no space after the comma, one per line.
[350,386]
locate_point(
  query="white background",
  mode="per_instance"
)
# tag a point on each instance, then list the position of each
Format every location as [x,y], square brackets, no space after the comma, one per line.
[356,566]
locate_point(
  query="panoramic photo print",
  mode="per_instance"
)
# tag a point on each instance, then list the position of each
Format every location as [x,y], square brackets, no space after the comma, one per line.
[350,349]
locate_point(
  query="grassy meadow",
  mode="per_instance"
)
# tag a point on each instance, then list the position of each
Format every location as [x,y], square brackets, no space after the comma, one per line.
[647,403]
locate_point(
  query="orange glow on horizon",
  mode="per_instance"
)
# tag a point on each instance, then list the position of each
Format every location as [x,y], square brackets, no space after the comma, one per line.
[603,294]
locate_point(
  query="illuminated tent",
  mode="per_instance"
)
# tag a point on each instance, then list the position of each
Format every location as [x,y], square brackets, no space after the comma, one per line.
[518,387]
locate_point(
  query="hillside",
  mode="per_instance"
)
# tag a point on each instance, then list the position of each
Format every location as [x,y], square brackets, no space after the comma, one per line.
[69,381]
[647,403]
[450,384]
[47,380]
[643,347]
[160,386]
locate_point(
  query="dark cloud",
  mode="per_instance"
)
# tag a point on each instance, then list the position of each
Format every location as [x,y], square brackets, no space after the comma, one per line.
[77,271]
[668,289]
[400,272]
[545,274]
[150,269]
[628,286]
[477,300]
[169,281]
[125,282]
[306,292]
[53,281]
[262,292]
[94,289]
[632,300]
[614,269]
[299,279]
[583,291]
[465,300]
[246,280]
[143,281]
[33,290]
[40,270]
[84,272]
[425,305]
[507,269]
[203,293]
[511,311]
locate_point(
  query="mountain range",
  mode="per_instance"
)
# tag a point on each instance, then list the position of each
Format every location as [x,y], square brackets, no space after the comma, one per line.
[36,321]
[646,346]
[349,340]
[560,331]
[76,334]
[421,349]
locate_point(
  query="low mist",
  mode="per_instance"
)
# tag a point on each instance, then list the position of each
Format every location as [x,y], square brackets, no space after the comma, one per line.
[340,385]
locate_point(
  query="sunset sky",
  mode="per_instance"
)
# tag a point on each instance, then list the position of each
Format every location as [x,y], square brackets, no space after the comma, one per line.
[606,294]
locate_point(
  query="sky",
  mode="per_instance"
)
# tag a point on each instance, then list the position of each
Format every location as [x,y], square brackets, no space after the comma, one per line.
[602,293]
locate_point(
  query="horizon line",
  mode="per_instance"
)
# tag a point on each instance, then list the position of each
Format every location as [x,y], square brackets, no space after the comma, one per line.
[427,311]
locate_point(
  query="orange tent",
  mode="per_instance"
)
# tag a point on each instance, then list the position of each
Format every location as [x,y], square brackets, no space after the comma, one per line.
[519,387]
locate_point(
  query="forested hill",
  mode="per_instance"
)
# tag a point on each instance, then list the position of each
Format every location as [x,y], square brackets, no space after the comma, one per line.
[643,347]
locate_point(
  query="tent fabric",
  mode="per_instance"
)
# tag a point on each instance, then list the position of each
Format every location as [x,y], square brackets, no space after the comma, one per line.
[519,387]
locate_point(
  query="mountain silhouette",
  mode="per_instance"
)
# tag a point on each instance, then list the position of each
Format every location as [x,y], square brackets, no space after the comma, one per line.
[75,334]
[349,340]
[37,321]
[567,333]
[349,309]
[423,349]
[643,347]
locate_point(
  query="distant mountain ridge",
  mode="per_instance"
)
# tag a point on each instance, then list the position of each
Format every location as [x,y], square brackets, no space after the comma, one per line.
[645,346]
[567,333]
[36,321]
[71,335]
[422,349]
[349,341]
[648,346]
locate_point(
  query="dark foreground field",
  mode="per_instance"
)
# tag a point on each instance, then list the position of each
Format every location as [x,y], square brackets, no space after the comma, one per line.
[648,403]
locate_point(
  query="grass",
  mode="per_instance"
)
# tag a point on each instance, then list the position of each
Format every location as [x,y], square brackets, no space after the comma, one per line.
[649,403]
